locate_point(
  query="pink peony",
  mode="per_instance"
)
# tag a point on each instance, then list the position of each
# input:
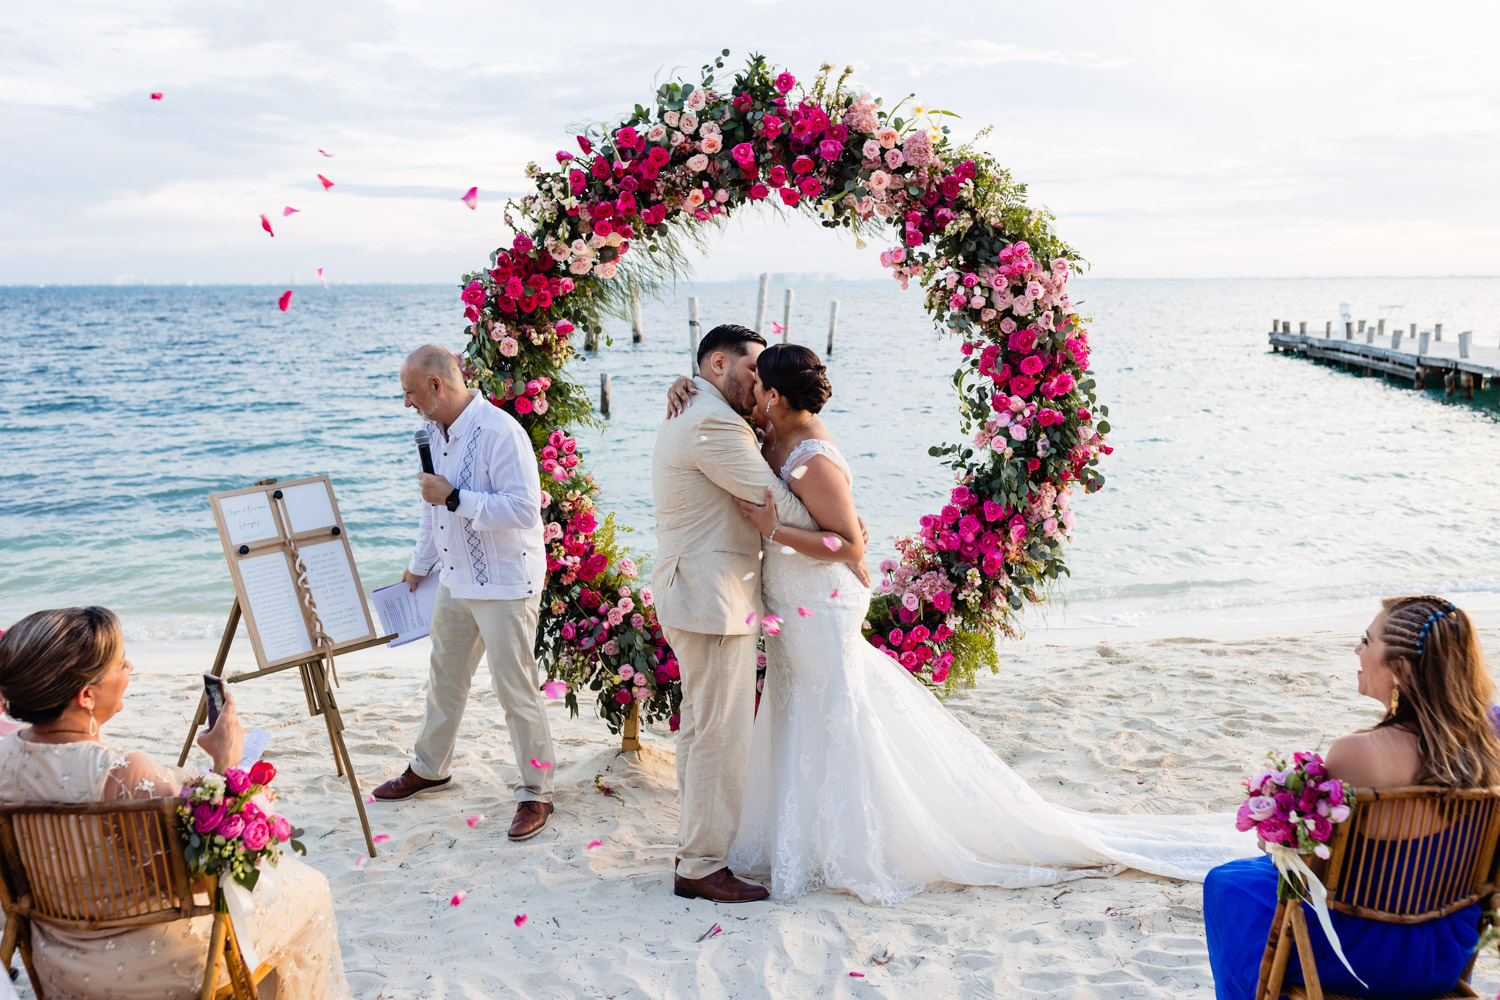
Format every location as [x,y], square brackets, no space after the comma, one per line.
[257,834]
[236,780]
[1243,820]
[231,827]
[281,829]
[1276,831]
[207,817]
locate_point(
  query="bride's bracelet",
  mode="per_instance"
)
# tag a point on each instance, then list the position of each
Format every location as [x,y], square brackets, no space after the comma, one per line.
[772,536]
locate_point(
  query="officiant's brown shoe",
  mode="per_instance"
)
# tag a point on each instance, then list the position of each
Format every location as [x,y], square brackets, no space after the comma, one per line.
[409,784]
[721,887]
[531,819]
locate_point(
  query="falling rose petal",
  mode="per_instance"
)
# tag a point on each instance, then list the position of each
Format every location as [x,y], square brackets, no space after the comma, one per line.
[326,153]
[289,210]
[716,931]
[381,838]
[748,577]
[595,843]
[370,800]
[857,975]
[359,862]
[804,612]
[265,224]
[833,544]
[321,278]
[541,765]
[555,689]
[285,301]
[520,920]
[799,472]
[475,820]
[458,897]
[777,328]
[835,595]
[471,198]
[156,95]
[326,182]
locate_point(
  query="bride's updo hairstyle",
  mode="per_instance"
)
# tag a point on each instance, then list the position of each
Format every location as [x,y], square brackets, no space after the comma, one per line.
[48,657]
[1445,695]
[796,373]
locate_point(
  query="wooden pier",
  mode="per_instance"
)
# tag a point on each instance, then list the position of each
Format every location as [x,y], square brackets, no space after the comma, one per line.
[1422,357]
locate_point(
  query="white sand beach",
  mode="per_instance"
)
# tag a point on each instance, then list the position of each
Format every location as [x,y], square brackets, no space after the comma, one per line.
[1163,724]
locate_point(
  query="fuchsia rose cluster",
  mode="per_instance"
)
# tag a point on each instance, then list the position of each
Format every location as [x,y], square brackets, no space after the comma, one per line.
[227,825]
[1295,806]
[994,273]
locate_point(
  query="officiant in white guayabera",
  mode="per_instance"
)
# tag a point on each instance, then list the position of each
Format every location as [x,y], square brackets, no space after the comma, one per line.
[481,518]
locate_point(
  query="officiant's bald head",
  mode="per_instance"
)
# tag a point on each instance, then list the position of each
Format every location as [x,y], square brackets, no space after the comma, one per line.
[433,384]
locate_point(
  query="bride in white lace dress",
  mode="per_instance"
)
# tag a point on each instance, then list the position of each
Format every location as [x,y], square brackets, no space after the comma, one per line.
[859,778]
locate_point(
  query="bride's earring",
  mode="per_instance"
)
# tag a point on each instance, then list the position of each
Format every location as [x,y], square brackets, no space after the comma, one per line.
[93,724]
[1395,699]
[768,407]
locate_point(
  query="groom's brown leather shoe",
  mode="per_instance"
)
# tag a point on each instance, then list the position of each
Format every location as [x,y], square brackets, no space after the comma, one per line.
[721,887]
[531,819]
[409,784]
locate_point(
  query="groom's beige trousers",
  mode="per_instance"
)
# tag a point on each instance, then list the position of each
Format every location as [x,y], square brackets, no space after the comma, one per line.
[505,632]
[713,743]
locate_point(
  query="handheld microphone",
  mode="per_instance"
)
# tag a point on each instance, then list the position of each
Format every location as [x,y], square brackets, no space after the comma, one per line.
[424,451]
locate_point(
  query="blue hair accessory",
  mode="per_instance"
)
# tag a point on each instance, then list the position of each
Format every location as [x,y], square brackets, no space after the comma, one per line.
[1427,625]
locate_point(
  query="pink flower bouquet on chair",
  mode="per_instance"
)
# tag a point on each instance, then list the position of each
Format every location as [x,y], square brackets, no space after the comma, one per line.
[227,825]
[1295,807]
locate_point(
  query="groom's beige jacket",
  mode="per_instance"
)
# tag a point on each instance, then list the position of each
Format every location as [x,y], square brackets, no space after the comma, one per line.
[707,576]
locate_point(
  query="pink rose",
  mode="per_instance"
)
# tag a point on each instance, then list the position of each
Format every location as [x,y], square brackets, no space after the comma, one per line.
[744,155]
[758,191]
[790,196]
[236,780]
[811,187]
[1261,807]
[207,817]
[523,405]
[942,600]
[803,165]
[1243,820]
[255,835]
[939,674]
[1276,831]
[231,827]
[622,696]
[1322,829]
[785,82]
[281,829]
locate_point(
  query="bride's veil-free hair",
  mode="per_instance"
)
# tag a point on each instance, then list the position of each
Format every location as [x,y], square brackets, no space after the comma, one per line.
[797,373]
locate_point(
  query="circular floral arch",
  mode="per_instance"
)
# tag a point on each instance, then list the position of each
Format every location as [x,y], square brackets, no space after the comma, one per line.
[611,221]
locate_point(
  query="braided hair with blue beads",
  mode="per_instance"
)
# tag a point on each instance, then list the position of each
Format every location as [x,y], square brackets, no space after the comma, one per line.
[1446,695]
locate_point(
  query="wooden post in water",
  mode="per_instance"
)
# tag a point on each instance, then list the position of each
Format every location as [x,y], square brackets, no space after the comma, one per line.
[786,317]
[1370,332]
[637,328]
[1302,328]
[1424,340]
[1466,381]
[760,305]
[833,324]
[693,337]
[604,394]
[1413,331]
[1464,340]
[1361,326]
[1396,340]
[1349,330]
[1437,331]
[1449,383]
[1328,329]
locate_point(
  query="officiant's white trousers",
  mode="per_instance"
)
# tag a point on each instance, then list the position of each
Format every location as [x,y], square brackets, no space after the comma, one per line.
[713,743]
[505,632]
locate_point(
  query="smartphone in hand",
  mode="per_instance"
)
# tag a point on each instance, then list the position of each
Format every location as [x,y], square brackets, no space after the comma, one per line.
[213,687]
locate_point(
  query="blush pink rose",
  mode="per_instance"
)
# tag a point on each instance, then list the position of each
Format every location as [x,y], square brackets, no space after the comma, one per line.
[256,834]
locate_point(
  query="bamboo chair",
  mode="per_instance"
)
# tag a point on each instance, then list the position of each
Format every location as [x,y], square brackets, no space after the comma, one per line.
[106,866]
[1390,832]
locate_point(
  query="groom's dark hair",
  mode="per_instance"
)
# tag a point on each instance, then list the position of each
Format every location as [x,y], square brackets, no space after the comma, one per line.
[730,338]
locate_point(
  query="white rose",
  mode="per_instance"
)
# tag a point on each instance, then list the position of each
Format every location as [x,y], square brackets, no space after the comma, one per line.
[688,122]
[697,162]
[710,128]
[670,118]
[678,139]
[657,133]
[696,100]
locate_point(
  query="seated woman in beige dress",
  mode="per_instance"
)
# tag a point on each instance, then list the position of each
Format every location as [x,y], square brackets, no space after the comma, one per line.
[64,672]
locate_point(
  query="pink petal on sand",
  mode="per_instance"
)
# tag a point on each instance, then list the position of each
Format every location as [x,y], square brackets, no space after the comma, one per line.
[289,210]
[156,95]
[595,843]
[326,182]
[471,197]
[541,765]
[835,595]
[458,897]
[475,820]
[832,543]
[804,612]
[325,285]
[285,301]
[359,862]
[857,975]
[325,152]
[265,224]
[555,689]
[520,919]
[381,838]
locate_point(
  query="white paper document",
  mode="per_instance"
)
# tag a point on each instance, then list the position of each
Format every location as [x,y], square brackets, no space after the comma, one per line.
[248,517]
[256,741]
[308,506]
[274,606]
[331,580]
[408,613]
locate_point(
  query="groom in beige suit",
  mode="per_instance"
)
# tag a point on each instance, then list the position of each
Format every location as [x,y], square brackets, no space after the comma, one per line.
[707,592]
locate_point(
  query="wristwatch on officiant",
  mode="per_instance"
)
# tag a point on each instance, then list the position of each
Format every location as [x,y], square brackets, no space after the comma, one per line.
[452,502]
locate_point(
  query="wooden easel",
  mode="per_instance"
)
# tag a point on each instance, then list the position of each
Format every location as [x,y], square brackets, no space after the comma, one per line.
[315,667]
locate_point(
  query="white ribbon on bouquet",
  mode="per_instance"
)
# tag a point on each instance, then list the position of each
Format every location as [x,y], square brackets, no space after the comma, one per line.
[241,906]
[1289,863]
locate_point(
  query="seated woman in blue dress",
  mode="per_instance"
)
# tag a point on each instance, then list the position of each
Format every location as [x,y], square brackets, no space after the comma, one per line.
[1438,729]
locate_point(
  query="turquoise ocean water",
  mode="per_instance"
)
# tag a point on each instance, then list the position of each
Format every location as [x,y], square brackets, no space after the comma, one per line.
[1243,483]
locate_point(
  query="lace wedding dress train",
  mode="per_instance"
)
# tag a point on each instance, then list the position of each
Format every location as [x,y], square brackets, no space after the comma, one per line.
[861,780]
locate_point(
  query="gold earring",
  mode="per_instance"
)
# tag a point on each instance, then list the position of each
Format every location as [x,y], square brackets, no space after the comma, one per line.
[93,724]
[1395,699]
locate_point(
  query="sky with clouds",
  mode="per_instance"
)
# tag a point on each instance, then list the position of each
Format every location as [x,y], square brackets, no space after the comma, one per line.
[1171,139]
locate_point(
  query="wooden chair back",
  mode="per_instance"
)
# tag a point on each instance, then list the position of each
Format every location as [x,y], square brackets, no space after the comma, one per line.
[1405,856]
[106,866]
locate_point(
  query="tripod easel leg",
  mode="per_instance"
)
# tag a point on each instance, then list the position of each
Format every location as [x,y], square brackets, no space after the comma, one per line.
[220,658]
[340,750]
